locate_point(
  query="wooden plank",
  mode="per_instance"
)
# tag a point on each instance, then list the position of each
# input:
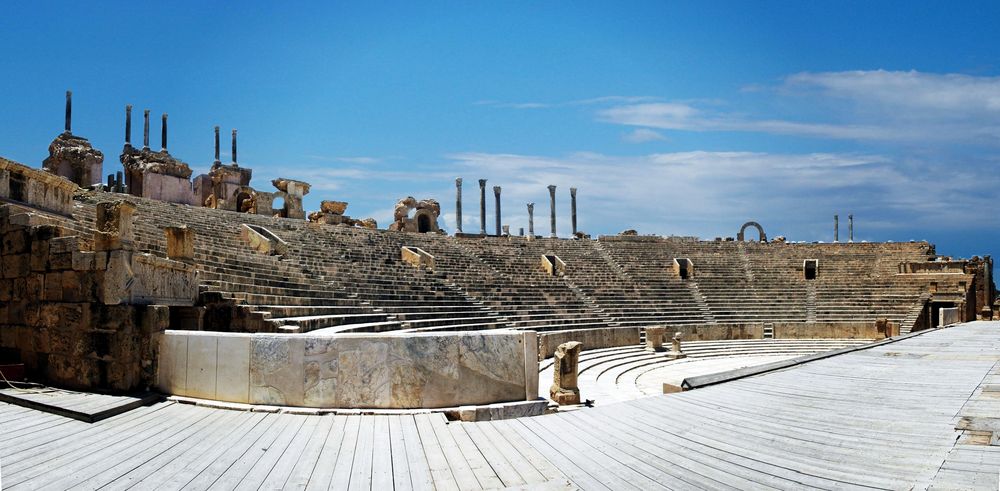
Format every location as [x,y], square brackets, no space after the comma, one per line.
[160,468]
[440,470]
[39,459]
[80,463]
[200,474]
[361,467]
[314,466]
[341,477]
[532,466]
[133,455]
[254,451]
[295,452]
[421,477]
[485,473]
[382,468]
[262,465]
[487,437]
[634,471]
[398,453]
[497,459]
[578,475]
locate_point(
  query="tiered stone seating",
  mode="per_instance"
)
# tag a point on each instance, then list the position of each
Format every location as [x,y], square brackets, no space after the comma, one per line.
[272,294]
[506,274]
[367,264]
[343,279]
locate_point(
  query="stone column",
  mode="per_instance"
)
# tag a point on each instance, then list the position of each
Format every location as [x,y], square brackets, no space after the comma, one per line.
[163,133]
[675,352]
[482,206]
[531,220]
[496,195]
[217,161]
[572,196]
[458,204]
[552,201]
[69,111]
[234,145]
[565,373]
[145,129]
[128,124]
[850,228]
[836,228]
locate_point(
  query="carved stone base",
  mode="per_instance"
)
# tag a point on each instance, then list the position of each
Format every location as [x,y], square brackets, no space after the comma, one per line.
[565,397]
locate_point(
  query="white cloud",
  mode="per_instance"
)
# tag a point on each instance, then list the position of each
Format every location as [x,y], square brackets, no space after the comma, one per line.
[855,105]
[643,135]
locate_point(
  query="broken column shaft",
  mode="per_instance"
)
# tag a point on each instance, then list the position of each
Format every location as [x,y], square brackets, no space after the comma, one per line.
[163,133]
[572,195]
[482,206]
[69,111]
[496,194]
[234,145]
[458,204]
[552,202]
[531,219]
[836,228]
[217,161]
[145,129]
[850,228]
[128,124]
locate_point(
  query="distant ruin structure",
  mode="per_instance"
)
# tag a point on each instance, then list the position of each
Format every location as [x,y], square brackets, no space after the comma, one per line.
[73,157]
[424,219]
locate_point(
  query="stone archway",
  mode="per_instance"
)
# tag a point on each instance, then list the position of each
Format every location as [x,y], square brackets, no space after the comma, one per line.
[423,223]
[242,200]
[760,231]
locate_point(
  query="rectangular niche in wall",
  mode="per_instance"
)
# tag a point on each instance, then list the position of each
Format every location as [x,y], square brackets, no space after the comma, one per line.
[810,268]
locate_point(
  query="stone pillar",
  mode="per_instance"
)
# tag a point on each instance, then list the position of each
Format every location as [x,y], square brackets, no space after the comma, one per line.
[128,124]
[234,145]
[458,204]
[836,228]
[163,133]
[850,228]
[572,197]
[496,195]
[520,231]
[114,226]
[180,243]
[145,129]
[217,161]
[675,351]
[531,220]
[552,201]
[482,207]
[69,111]
[654,337]
[565,370]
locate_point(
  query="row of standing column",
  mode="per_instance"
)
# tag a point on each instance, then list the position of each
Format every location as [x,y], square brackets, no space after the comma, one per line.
[145,130]
[850,228]
[496,195]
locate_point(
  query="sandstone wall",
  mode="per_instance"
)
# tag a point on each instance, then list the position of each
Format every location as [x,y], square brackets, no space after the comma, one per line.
[351,371]
[608,337]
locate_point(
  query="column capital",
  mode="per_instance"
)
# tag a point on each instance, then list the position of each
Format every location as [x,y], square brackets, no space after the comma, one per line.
[496,190]
[458,181]
[482,183]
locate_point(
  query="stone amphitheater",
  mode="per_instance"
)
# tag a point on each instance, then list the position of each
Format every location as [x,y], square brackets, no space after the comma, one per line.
[163,332]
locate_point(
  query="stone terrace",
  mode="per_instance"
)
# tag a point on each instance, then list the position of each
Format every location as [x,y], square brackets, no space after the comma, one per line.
[341,279]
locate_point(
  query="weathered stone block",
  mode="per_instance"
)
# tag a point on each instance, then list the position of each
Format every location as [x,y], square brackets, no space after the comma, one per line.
[654,338]
[16,265]
[63,245]
[60,261]
[180,243]
[83,260]
[52,290]
[565,370]
[14,242]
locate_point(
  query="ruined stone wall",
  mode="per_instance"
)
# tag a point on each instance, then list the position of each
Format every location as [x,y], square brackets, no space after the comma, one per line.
[52,318]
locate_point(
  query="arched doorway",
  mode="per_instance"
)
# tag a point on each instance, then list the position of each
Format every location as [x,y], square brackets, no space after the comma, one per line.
[241,200]
[760,231]
[423,223]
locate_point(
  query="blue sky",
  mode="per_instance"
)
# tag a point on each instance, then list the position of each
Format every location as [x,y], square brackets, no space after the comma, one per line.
[685,118]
